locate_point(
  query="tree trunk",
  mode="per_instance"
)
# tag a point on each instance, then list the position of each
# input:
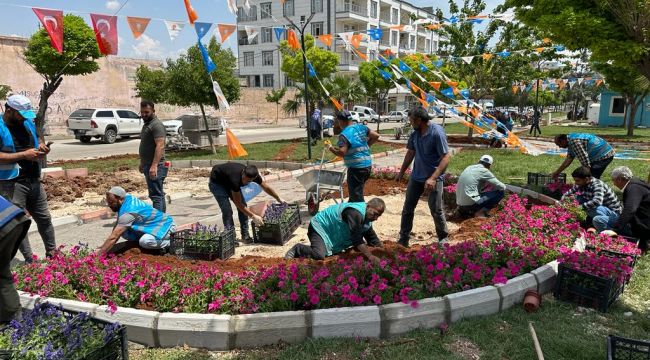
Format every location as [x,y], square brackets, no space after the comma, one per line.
[634,106]
[49,87]
[207,127]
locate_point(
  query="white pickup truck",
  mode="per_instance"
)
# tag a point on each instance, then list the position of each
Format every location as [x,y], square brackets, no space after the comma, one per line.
[105,124]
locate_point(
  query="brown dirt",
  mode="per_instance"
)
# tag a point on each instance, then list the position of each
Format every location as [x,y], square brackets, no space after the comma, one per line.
[287,150]
[463,139]
[82,163]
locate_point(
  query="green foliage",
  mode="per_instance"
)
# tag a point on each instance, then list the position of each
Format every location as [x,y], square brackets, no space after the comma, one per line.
[275,96]
[4,90]
[346,89]
[373,83]
[80,50]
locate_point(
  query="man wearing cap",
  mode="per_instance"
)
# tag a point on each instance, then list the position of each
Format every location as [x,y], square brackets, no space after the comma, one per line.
[20,170]
[427,145]
[354,146]
[592,151]
[137,221]
[470,199]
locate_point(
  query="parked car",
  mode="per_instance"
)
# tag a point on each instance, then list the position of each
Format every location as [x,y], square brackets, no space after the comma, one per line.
[360,117]
[194,121]
[369,113]
[174,127]
[399,116]
[105,124]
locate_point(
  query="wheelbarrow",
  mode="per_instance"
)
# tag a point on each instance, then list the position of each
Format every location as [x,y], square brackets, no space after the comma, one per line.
[319,183]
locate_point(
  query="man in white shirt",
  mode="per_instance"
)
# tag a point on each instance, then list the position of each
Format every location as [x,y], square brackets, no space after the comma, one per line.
[470,199]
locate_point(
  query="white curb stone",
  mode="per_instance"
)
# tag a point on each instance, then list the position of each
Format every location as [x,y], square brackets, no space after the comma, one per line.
[399,318]
[74,305]
[140,324]
[361,321]
[195,330]
[180,195]
[546,199]
[512,292]
[201,163]
[546,276]
[56,222]
[514,189]
[269,328]
[27,301]
[182,164]
[475,302]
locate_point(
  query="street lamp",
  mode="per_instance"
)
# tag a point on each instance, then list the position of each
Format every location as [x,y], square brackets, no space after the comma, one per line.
[301,30]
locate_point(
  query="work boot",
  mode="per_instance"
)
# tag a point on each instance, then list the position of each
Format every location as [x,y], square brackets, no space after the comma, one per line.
[291,254]
[247,240]
[404,243]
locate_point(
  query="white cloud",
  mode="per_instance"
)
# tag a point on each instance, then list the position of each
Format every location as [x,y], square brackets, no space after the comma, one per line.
[113,4]
[147,47]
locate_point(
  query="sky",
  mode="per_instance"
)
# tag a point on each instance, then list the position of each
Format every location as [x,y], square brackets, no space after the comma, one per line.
[18,19]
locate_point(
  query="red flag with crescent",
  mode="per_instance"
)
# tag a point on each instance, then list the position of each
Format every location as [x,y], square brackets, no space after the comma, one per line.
[52,21]
[105,27]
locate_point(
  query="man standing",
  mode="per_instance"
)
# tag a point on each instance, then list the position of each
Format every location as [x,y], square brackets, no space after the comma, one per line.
[137,221]
[20,169]
[471,201]
[534,127]
[635,218]
[226,181]
[598,199]
[354,146]
[316,126]
[593,152]
[428,146]
[152,154]
[13,228]
[340,227]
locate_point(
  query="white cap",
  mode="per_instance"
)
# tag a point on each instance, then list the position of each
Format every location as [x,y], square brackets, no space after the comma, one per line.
[21,104]
[117,191]
[486,159]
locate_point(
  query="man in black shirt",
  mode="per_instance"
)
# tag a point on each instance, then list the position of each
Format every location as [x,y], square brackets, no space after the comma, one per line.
[152,154]
[20,169]
[635,218]
[226,181]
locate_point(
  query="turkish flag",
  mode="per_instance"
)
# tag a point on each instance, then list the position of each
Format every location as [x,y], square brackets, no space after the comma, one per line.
[105,27]
[52,21]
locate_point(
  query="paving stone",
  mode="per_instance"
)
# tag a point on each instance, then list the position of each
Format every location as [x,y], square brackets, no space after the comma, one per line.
[546,276]
[360,321]
[140,324]
[195,330]
[512,292]
[201,163]
[269,328]
[400,318]
[182,164]
[474,302]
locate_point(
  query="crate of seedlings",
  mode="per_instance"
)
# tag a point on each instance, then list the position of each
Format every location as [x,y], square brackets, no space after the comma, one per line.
[620,348]
[203,242]
[50,332]
[585,289]
[280,222]
[539,179]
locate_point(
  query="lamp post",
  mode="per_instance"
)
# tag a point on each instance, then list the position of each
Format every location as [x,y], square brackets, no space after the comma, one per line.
[537,116]
[301,30]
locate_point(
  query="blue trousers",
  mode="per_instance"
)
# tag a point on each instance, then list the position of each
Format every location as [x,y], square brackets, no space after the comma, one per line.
[488,200]
[603,218]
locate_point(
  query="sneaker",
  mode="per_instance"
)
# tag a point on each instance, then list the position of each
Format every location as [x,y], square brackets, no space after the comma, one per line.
[443,241]
[247,240]
[404,243]
[291,254]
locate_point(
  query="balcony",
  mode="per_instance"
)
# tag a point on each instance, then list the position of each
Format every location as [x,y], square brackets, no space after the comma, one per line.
[352,11]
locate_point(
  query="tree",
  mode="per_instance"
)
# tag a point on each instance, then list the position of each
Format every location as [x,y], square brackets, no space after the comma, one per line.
[374,84]
[275,96]
[346,89]
[292,106]
[4,90]
[184,82]
[79,56]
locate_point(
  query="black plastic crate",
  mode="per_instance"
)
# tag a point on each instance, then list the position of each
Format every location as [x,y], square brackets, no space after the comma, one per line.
[619,348]
[612,254]
[278,234]
[540,179]
[585,289]
[221,246]
[116,348]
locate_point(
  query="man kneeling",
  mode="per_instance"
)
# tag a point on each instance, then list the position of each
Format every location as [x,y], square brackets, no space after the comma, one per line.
[137,221]
[471,201]
[340,227]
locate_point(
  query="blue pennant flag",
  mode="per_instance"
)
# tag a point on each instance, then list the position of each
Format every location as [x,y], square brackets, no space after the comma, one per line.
[552,86]
[408,84]
[209,64]
[504,53]
[438,63]
[423,67]
[386,75]
[279,32]
[383,61]
[529,87]
[448,92]
[453,19]
[475,21]
[312,72]
[464,93]
[202,28]
[375,34]
[487,120]
[403,66]
[559,48]
[431,99]
[452,109]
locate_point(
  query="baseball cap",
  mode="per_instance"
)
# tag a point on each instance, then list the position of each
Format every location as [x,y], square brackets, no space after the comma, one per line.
[344,115]
[21,104]
[117,191]
[486,159]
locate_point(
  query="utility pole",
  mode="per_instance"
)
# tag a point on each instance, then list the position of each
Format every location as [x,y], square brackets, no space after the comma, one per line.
[301,30]
[535,114]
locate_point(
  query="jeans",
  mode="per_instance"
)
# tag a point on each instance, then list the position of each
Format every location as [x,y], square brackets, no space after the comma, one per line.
[155,186]
[603,218]
[488,200]
[148,241]
[29,194]
[11,235]
[598,167]
[413,192]
[316,250]
[357,178]
[223,197]
[534,128]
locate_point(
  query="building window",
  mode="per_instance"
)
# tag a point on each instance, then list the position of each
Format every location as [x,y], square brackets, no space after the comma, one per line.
[265,10]
[267,35]
[412,42]
[395,17]
[249,58]
[317,28]
[373,9]
[243,15]
[317,6]
[393,38]
[289,9]
[267,58]
[288,82]
[427,46]
[268,80]
[618,106]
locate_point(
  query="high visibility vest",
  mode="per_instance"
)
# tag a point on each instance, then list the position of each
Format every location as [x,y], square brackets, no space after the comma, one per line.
[335,232]
[8,211]
[597,147]
[10,171]
[149,220]
[358,155]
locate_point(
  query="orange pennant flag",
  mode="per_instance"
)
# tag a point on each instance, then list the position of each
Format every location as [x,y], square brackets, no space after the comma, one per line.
[225,30]
[234,146]
[293,40]
[424,103]
[423,95]
[414,87]
[426,58]
[336,103]
[514,89]
[361,55]
[474,112]
[456,91]
[452,83]
[191,14]
[138,25]
[413,57]
[433,26]
[598,82]
[487,57]
[435,84]
[325,39]
[355,40]
[397,27]
[546,40]
[540,49]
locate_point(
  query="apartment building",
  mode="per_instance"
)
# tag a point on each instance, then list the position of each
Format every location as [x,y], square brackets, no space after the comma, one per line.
[260,60]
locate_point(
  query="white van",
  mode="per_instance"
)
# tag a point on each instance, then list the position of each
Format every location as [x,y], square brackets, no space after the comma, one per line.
[369,112]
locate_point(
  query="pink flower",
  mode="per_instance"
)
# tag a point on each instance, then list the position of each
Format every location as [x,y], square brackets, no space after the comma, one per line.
[314,299]
[294,296]
[112,308]
[376,299]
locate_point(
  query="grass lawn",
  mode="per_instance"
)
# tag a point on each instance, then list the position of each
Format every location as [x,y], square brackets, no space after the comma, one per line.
[617,133]
[564,330]
[453,128]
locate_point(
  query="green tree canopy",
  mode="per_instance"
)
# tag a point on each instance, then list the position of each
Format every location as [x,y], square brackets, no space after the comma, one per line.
[275,96]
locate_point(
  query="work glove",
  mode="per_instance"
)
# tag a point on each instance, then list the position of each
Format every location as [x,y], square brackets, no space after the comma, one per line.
[328,144]
[257,220]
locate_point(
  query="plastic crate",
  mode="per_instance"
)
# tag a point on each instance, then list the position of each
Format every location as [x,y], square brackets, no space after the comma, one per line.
[612,254]
[278,234]
[619,348]
[221,246]
[585,289]
[543,179]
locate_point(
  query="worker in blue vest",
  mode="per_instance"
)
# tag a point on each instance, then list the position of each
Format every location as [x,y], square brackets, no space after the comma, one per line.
[354,146]
[13,228]
[592,151]
[21,150]
[339,227]
[137,221]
